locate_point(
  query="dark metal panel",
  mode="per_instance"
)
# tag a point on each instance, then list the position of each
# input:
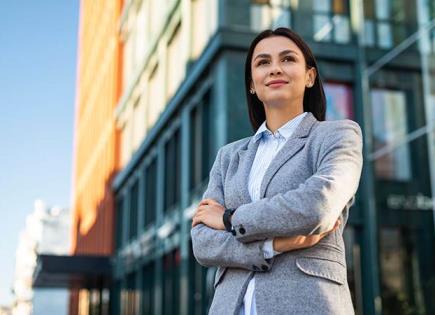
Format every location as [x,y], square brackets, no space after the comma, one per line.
[53,271]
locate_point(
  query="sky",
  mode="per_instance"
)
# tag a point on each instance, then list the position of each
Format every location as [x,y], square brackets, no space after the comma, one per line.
[38,49]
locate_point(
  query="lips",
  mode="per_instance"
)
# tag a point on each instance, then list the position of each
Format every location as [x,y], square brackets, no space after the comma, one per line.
[276,83]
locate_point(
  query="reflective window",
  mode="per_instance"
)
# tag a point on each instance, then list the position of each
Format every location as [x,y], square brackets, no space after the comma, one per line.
[388,22]
[199,144]
[270,14]
[119,222]
[148,289]
[150,192]
[339,101]
[172,171]
[171,283]
[353,262]
[175,62]
[204,20]
[130,296]
[331,21]
[390,129]
[134,202]
[403,281]
[200,286]
[156,95]
[139,123]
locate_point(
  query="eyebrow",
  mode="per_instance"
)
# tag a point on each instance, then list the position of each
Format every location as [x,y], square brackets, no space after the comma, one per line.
[282,53]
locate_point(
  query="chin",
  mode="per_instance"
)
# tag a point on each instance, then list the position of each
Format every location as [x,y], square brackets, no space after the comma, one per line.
[278,100]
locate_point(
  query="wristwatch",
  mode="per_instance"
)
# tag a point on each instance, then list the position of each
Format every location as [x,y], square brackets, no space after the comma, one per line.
[227,215]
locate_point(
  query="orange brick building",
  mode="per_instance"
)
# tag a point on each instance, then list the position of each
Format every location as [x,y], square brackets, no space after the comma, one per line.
[95,137]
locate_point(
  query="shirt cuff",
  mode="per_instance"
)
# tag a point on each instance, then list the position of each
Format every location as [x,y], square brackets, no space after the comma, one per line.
[268,249]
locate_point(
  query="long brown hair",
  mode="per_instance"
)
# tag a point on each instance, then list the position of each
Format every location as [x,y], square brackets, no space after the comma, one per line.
[314,97]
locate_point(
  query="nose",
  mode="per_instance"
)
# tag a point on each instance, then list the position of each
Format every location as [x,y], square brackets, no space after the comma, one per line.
[275,68]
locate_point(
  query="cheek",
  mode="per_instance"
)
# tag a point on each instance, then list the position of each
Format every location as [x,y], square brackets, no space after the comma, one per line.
[257,78]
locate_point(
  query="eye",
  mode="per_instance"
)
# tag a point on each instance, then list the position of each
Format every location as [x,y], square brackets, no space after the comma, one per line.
[262,62]
[288,58]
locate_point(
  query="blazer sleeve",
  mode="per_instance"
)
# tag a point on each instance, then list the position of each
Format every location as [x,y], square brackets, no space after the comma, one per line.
[316,204]
[220,248]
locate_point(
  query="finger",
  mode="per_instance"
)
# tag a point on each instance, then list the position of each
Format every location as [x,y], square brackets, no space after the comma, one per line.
[207,201]
[211,202]
[195,221]
[201,209]
[203,202]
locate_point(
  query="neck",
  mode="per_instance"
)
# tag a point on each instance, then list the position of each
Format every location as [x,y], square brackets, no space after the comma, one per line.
[277,116]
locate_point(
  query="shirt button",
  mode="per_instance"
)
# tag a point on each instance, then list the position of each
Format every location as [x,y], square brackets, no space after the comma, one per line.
[242,230]
[264,268]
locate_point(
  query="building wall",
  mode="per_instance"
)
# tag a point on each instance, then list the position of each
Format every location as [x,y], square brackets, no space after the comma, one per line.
[96,154]
[160,90]
[160,41]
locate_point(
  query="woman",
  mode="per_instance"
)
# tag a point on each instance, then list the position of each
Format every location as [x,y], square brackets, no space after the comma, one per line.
[273,214]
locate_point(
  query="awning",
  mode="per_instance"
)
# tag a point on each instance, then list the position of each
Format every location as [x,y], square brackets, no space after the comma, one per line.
[78,271]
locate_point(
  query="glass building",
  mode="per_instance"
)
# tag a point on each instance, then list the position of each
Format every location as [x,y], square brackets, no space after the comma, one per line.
[183,97]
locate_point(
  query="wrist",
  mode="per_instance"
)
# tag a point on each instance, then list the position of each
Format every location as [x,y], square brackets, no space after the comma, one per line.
[276,245]
[228,213]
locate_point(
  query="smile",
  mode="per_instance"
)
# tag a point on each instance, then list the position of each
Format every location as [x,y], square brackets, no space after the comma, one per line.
[276,83]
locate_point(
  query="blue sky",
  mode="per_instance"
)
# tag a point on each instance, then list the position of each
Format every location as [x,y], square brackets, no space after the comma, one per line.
[38,47]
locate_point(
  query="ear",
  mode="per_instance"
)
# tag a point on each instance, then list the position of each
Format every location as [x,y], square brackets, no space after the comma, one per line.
[310,77]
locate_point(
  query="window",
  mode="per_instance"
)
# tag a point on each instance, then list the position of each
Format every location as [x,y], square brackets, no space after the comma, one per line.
[126,143]
[204,17]
[171,283]
[339,101]
[119,222]
[130,296]
[392,156]
[148,289]
[157,11]
[431,18]
[331,21]
[141,33]
[388,22]
[175,61]
[199,144]
[172,171]
[270,14]
[156,101]
[138,123]
[150,193]
[200,286]
[134,198]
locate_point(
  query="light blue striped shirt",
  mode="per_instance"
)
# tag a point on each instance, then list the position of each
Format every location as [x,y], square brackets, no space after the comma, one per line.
[270,144]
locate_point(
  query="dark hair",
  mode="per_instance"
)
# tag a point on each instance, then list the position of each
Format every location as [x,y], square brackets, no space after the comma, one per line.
[314,97]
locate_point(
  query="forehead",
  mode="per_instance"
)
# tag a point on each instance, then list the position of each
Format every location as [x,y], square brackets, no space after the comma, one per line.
[274,45]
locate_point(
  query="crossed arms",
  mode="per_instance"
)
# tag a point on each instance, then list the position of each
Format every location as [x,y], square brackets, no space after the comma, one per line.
[311,209]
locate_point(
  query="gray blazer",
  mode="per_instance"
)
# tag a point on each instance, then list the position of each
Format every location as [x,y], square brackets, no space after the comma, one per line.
[310,183]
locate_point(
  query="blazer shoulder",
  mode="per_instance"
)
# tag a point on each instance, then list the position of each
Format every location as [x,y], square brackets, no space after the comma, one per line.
[338,129]
[235,146]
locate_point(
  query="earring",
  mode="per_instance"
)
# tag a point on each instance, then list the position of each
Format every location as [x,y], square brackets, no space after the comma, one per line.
[252,91]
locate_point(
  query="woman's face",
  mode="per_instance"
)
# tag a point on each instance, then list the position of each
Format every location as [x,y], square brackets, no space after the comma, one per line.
[279,74]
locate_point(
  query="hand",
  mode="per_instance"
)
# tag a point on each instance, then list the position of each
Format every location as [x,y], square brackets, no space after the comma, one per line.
[286,244]
[210,213]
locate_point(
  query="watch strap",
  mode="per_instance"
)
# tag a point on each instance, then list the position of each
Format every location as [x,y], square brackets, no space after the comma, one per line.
[226,218]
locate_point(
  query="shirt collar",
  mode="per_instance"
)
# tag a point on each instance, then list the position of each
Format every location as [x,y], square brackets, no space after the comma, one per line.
[285,130]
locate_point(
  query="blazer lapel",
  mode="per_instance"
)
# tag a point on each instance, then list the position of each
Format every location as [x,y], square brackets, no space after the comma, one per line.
[290,148]
[246,158]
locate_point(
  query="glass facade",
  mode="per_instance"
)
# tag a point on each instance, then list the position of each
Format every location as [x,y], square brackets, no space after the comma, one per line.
[381,77]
